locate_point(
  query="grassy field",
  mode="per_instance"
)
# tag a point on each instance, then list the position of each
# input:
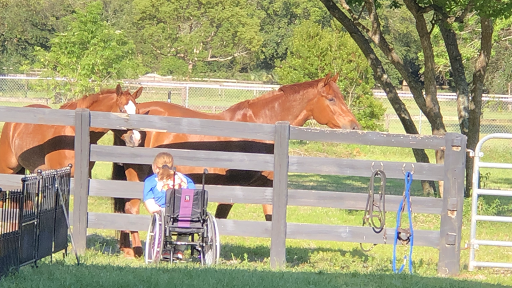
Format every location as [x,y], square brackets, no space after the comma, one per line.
[245,260]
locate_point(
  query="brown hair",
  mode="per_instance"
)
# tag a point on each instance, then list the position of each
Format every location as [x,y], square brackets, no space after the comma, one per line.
[164,162]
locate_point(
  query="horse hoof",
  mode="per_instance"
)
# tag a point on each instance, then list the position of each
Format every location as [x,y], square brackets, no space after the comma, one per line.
[138,251]
[128,253]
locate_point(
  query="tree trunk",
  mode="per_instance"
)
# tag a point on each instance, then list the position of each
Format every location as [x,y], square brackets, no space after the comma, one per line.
[459,76]
[382,78]
[433,114]
[476,95]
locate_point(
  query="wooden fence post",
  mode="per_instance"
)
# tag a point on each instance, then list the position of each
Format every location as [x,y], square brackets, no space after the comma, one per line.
[81,193]
[453,201]
[280,195]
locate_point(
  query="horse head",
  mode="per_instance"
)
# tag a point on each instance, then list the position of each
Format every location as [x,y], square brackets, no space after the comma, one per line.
[132,138]
[113,100]
[126,102]
[329,107]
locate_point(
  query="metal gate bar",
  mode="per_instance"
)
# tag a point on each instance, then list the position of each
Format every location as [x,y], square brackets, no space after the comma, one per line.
[474,243]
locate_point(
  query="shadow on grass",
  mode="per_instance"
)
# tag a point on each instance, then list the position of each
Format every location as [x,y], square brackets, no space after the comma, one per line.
[354,184]
[61,274]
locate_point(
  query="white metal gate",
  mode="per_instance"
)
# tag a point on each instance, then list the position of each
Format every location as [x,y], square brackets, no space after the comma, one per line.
[474,243]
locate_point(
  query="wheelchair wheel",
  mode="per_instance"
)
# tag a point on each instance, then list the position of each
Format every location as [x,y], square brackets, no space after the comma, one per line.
[211,243]
[154,240]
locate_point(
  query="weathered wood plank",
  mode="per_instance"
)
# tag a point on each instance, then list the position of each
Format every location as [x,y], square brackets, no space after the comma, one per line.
[10,181]
[197,158]
[280,196]
[367,138]
[216,193]
[81,188]
[453,195]
[263,229]
[183,125]
[356,234]
[141,223]
[353,167]
[118,221]
[357,201]
[261,195]
[37,115]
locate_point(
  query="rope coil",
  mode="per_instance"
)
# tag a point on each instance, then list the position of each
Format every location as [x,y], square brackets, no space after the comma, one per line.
[406,236]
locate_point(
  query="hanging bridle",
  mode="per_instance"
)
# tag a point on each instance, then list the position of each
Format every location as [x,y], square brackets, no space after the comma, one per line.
[375,209]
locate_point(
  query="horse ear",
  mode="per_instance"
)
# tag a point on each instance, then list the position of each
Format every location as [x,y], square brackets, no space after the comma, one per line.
[138,92]
[326,79]
[335,78]
[119,91]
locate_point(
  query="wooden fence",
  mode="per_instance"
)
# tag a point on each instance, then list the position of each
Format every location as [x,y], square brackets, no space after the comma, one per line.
[447,239]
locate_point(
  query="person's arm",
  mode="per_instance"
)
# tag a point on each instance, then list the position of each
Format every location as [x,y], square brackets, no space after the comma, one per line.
[190,184]
[152,206]
[148,196]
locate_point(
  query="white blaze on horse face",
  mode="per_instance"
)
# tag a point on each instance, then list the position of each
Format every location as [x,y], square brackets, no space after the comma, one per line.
[136,137]
[130,108]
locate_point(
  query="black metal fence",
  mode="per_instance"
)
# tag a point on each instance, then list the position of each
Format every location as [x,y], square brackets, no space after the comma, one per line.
[33,220]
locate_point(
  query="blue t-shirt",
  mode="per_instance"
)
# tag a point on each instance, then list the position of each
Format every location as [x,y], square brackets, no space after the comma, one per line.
[151,191]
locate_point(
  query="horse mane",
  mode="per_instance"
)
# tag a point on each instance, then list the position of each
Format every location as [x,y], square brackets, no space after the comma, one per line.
[289,89]
[87,100]
[298,88]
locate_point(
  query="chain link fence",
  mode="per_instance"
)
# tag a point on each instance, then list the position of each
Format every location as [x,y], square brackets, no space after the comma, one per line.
[216,96]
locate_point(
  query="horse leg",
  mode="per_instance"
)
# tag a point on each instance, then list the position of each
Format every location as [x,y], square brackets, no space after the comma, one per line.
[267,211]
[132,207]
[124,237]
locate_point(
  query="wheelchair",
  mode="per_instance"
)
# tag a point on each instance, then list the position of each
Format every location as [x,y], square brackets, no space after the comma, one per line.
[184,214]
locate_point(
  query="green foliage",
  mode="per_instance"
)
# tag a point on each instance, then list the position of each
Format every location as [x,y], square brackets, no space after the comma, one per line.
[90,52]
[396,26]
[279,20]
[196,32]
[369,112]
[499,73]
[24,25]
[316,51]
[173,66]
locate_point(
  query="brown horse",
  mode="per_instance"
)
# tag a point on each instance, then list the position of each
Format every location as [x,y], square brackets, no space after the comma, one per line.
[319,99]
[36,146]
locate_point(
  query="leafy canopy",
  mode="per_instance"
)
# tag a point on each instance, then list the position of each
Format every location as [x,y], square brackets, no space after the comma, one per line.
[90,52]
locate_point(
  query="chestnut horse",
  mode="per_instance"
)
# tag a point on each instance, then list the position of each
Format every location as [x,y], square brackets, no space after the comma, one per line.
[36,146]
[320,100]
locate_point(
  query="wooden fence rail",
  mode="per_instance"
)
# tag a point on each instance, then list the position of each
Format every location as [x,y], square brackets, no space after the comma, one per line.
[447,239]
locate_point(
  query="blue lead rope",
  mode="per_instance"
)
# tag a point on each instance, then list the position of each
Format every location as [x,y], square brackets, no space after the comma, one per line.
[407,199]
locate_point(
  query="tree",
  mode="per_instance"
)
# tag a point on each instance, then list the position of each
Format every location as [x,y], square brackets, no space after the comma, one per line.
[313,52]
[26,24]
[280,18]
[90,52]
[362,21]
[195,32]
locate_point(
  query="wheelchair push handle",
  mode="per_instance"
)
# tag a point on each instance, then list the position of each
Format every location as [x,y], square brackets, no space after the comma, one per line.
[205,171]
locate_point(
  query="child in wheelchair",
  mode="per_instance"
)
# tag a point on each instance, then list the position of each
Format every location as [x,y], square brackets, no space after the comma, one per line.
[155,187]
